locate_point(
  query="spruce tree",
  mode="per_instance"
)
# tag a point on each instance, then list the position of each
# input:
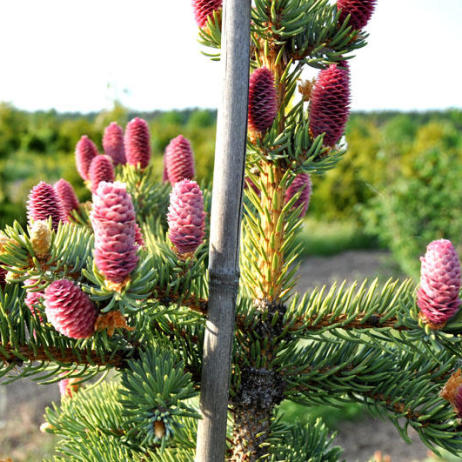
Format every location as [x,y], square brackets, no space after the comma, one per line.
[120,284]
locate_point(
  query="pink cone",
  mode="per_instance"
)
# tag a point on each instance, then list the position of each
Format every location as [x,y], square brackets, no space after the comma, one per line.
[139,236]
[101,169]
[204,8]
[186,217]
[113,220]
[330,103]
[69,310]
[262,100]
[68,387]
[32,300]
[113,143]
[44,203]
[301,184]
[85,151]
[438,294]
[67,195]
[360,10]
[179,160]
[137,143]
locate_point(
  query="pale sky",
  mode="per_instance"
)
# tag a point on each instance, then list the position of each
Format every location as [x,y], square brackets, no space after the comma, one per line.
[80,55]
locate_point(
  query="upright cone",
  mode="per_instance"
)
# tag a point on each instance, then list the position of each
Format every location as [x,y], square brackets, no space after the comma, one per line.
[438,294]
[204,8]
[113,143]
[137,143]
[113,220]
[44,203]
[101,169]
[179,160]
[262,100]
[360,11]
[186,217]
[67,195]
[330,103]
[85,151]
[302,185]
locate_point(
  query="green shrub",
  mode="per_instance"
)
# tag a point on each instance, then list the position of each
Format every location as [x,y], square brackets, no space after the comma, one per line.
[422,204]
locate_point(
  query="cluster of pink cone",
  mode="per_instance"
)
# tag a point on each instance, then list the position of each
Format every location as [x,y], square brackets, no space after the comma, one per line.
[133,148]
[438,294]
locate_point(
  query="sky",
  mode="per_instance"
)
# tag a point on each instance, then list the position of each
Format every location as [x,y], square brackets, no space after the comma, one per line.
[82,55]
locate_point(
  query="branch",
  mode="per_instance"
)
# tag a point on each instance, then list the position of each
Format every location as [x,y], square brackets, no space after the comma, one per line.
[10,355]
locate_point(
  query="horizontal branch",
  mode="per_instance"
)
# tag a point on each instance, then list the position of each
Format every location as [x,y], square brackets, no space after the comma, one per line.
[360,321]
[12,355]
[197,304]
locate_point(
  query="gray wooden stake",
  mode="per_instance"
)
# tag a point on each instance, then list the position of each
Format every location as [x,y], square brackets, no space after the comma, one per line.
[228,180]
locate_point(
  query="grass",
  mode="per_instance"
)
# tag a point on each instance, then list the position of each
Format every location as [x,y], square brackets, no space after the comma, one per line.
[326,239]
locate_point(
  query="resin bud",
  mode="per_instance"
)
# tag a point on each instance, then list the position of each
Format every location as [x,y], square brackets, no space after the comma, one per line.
[85,151]
[40,238]
[438,294]
[101,169]
[113,143]
[186,217]
[360,11]
[113,221]
[67,195]
[137,143]
[205,8]
[69,310]
[44,203]
[179,160]
[330,103]
[301,184]
[262,100]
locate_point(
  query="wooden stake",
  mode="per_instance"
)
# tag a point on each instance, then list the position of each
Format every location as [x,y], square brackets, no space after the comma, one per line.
[228,181]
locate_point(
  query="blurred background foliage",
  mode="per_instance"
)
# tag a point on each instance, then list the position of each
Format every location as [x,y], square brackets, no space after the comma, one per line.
[398,187]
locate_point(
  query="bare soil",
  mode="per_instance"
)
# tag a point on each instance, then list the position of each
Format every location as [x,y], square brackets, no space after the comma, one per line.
[21,439]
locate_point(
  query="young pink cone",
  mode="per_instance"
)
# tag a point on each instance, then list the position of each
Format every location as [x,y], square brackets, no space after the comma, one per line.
[204,8]
[67,195]
[330,103]
[139,236]
[438,294]
[33,299]
[301,184]
[262,100]
[101,169]
[113,143]
[360,10]
[186,217]
[137,143]
[179,160]
[85,151]
[44,203]
[69,310]
[113,220]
